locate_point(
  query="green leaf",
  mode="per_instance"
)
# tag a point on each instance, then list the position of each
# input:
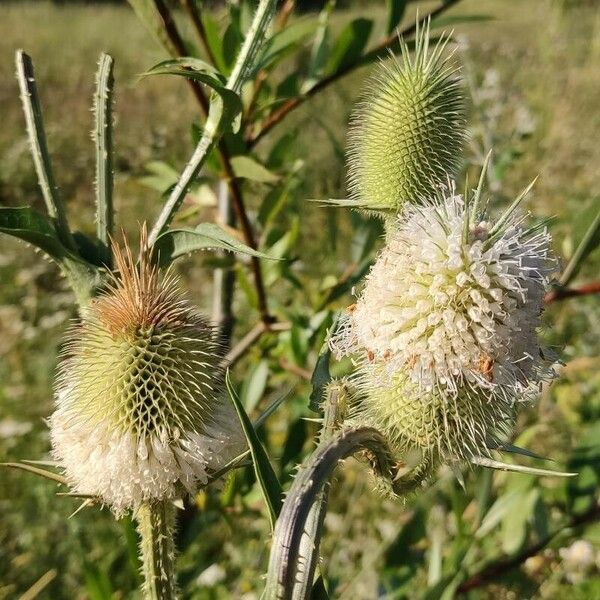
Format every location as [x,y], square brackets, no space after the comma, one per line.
[248,168]
[319,380]
[34,228]
[267,479]
[255,385]
[320,48]
[198,70]
[177,242]
[104,151]
[516,450]
[350,44]
[589,242]
[149,15]
[160,176]
[396,9]
[513,530]
[214,40]
[285,41]
[232,41]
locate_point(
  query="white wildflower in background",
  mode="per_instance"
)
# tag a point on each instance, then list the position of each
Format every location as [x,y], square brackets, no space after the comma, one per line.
[140,411]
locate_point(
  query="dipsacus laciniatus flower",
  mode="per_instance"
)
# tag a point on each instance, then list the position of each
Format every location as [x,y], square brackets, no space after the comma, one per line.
[445,327]
[407,133]
[140,410]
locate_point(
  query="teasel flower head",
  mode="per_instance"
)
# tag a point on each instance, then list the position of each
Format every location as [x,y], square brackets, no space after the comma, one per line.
[445,330]
[407,133]
[141,415]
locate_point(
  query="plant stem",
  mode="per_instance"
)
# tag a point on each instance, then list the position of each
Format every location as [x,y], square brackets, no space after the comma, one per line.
[104,151]
[210,139]
[39,148]
[155,526]
[562,293]
[223,279]
[299,502]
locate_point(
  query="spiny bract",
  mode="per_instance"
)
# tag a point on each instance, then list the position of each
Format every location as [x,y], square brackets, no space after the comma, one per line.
[140,410]
[407,134]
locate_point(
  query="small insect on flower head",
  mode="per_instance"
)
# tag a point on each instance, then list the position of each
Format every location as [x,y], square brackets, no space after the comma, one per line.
[444,331]
[140,410]
[407,134]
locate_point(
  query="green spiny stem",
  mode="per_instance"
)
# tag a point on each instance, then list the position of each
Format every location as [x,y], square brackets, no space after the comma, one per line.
[104,150]
[214,127]
[155,526]
[39,148]
[307,486]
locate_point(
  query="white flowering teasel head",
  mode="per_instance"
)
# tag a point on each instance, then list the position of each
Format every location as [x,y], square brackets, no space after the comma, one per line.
[445,329]
[453,301]
[140,414]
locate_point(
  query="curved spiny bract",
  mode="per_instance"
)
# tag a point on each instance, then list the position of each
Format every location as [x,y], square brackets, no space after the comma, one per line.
[141,415]
[407,133]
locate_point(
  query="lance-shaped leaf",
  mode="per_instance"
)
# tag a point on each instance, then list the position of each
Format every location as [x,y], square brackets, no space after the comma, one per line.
[267,479]
[198,70]
[177,242]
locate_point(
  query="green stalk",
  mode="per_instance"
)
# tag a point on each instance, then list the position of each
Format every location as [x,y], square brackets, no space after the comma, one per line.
[155,526]
[39,149]
[297,510]
[104,151]
[213,128]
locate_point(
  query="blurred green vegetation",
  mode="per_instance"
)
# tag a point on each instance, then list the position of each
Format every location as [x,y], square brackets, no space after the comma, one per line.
[533,71]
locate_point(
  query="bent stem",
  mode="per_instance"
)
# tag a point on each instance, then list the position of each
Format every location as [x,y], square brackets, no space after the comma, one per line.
[155,523]
[298,506]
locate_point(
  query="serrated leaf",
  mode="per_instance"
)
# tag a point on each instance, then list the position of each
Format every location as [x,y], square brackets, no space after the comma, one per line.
[350,44]
[267,479]
[177,242]
[249,168]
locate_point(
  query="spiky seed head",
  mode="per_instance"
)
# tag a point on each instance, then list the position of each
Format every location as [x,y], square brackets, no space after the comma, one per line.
[141,414]
[445,330]
[407,133]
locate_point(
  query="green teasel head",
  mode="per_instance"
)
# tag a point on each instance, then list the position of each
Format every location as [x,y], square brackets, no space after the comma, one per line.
[408,130]
[428,428]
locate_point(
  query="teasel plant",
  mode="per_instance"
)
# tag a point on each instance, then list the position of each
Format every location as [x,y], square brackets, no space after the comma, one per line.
[442,336]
